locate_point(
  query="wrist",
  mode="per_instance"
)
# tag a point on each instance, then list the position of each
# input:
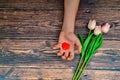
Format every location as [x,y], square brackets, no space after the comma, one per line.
[67,32]
[68,28]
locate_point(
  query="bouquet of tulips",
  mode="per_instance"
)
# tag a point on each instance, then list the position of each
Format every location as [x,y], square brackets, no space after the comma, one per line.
[89,46]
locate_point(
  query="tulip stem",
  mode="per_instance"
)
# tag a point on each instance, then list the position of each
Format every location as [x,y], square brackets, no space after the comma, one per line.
[89,32]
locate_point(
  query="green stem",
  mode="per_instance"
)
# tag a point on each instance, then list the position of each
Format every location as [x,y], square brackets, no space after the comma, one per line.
[89,32]
[84,66]
[82,57]
[89,53]
[87,56]
[80,61]
[88,59]
[78,67]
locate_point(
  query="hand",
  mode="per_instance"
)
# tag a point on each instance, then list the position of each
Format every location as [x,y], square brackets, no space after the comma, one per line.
[70,38]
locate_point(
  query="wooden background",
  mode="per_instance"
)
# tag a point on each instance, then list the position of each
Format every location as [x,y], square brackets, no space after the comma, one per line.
[29,28]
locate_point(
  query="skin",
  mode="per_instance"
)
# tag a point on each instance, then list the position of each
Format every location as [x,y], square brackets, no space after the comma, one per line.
[67,32]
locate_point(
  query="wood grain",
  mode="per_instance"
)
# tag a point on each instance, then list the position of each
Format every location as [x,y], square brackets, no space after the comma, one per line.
[101,75]
[17,53]
[47,44]
[55,5]
[49,74]
[40,24]
[29,29]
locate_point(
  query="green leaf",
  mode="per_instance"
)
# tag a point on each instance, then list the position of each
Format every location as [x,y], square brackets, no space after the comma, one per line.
[90,47]
[86,42]
[81,39]
[88,56]
[84,47]
[97,43]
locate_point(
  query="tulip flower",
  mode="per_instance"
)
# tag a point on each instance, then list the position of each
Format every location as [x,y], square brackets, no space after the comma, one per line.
[89,46]
[97,30]
[91,24]
[105,28]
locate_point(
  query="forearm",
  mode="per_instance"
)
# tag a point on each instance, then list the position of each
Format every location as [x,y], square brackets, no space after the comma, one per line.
[70,10]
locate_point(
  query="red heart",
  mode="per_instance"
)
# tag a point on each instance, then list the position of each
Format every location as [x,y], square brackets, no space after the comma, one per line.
[65,46]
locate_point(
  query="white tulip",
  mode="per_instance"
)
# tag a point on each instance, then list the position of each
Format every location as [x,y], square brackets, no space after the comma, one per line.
[91,24]
[105,28]
[97,30]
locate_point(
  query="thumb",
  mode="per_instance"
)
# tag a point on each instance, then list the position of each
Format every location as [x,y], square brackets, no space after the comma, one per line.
[78,44]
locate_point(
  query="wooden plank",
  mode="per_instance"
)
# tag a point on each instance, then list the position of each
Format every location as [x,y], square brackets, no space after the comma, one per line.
[37,74]
[32,5]
[51,61]
[113,4]
[27,1]
[59,74]
[40,24]
[38,54]
[43,73]
[47,44]
[28,32]
[101,75]
[53,4]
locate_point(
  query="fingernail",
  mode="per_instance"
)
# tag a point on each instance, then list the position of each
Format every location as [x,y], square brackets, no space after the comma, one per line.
[68,58]
[63,57]
[54,48]
[79,51]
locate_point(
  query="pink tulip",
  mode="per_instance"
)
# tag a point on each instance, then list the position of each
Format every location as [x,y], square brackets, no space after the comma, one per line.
[105,28]
[91,24]
[97,30]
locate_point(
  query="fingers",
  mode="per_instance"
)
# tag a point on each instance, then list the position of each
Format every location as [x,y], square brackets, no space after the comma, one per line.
[60,53]
[66,55]
[63,55]
[57,46]
[71,56]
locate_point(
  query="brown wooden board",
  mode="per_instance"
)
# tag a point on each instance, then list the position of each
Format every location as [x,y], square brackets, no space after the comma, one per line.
[40,54]
[44,24]
[29,29]
[55,4]
[18,59]
[50,74]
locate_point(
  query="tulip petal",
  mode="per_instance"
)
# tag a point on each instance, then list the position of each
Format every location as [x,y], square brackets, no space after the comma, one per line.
[91,24]
[105,27]
[97,30]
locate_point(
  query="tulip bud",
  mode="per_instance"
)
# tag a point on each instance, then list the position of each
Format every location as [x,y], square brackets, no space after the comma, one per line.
[97,30]
[91,24]
[105,28]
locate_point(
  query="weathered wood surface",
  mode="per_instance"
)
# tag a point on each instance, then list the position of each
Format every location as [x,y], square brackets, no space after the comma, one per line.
[53,4]
[29,28]
[27,24]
